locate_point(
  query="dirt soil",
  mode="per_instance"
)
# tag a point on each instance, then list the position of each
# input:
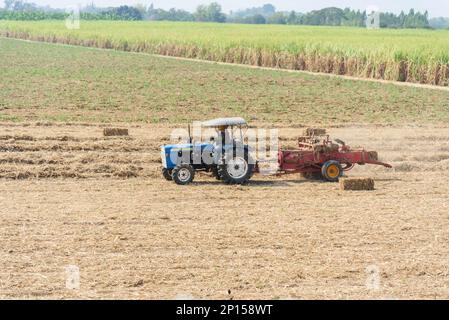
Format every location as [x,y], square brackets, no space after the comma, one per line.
[70,196]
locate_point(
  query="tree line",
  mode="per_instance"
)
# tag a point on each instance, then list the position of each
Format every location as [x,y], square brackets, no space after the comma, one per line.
[330,17]
[266,14]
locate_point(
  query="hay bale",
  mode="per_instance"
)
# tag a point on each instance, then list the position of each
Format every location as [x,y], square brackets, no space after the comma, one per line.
[356,184]
[109,132]
[310,132]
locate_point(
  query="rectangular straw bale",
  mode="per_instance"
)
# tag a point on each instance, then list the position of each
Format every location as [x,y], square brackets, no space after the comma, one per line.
[315,132]
[356,184]
[109,132]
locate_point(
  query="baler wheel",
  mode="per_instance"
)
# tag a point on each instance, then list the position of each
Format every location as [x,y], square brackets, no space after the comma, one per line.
[332,171]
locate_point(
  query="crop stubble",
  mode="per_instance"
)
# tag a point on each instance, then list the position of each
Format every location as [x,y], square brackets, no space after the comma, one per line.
[70,196]
[144,237]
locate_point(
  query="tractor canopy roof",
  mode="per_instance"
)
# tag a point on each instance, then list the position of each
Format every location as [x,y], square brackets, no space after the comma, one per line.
[227,122]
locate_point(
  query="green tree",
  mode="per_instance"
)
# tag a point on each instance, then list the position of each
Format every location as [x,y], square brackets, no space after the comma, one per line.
[268,9]
[439,23]
[142,8]
[292,18]
[126,13]
[256,19]
[325,17]
[210,13]
[277,18]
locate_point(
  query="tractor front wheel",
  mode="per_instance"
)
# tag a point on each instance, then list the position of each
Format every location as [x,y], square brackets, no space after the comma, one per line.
[167,174]
[183,174]
[332,171]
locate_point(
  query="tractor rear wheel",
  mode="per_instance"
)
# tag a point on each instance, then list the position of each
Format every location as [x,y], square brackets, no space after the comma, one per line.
[167,174]
[235,169]
[332,171]
[183,174]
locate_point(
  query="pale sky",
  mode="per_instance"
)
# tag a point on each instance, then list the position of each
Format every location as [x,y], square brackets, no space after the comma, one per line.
[436,8]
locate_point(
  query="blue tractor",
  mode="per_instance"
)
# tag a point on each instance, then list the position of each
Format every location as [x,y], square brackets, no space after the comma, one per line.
[225,156]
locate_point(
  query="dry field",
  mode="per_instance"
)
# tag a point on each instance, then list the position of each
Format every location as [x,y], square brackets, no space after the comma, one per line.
[69,196]
[72,197]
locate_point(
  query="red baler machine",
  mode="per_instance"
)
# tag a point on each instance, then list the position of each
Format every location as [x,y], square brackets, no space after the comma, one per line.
[319,157]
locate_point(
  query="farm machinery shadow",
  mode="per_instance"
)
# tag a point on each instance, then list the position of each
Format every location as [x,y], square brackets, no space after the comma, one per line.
[259,183]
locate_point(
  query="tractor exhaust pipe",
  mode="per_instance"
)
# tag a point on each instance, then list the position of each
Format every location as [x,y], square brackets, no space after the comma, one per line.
[190,134]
